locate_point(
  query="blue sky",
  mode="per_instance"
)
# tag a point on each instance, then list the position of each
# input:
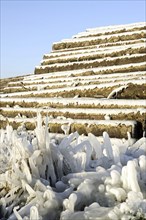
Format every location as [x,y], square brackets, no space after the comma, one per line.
[28,28]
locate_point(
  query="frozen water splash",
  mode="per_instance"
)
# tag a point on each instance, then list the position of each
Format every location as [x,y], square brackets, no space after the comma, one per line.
[80,178]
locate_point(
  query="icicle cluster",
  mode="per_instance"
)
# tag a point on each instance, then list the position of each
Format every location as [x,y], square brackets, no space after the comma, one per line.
[80,178]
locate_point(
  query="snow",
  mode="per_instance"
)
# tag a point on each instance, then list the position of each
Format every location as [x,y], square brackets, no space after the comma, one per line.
[100,77]
[115,91]
[77,121]
[98,51]
[100,37]
[104,85]
[96,48]
[78,178]
[121,26]
[96,111]
[70,81]
[68,73]
[92,31]
[78,101]
[92,61]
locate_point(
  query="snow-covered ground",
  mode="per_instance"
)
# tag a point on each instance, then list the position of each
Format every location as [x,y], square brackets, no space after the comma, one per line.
[43,177]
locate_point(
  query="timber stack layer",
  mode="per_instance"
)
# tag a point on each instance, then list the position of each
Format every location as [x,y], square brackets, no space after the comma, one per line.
[93,82]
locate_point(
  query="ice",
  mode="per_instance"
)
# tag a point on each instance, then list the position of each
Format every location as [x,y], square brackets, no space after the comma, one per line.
[96,146]
[77,178]
[142,164]
[26,171]
[65,128]
[34,215]
[115,177]
[119,193]
[116,154]
[107,146]
[95,211]
[78,101]
[132,177]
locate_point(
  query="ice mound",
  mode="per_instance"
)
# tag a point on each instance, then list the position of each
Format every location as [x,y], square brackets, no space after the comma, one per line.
[79,178]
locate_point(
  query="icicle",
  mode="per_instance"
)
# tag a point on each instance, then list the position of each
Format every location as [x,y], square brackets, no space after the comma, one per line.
[29,189]
[132,177]
[116,154]
[34,168]
[80,158]
[70,203]
[119,193]
[96,146]
[47,133]
[124,177]
[26,170]
[115,175]
[9,131]
[129,138]
[49,164]
[34,215]
[142,163]
[2,135]
[108,146]
[39,131]
[17,214]
[66,128]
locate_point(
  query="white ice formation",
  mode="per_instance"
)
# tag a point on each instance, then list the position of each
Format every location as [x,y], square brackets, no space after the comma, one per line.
[79,178]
